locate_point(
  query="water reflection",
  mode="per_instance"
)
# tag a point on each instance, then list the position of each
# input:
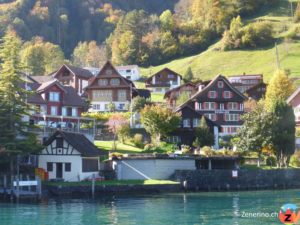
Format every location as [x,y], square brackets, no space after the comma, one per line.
[182,208]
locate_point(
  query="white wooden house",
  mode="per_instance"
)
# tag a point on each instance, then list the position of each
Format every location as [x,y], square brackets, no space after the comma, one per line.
[70,156]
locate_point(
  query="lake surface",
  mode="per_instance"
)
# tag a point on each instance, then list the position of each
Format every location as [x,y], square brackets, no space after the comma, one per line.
[192,208]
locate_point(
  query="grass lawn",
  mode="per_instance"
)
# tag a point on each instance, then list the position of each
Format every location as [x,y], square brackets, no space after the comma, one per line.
[212,62]
[263,167]
[113,182]
[157,97]
[121,148]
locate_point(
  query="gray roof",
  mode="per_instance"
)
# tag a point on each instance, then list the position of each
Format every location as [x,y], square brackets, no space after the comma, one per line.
[79,142]
[42,79]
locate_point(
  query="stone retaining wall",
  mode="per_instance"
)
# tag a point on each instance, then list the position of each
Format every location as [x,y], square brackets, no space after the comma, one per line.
[208,180]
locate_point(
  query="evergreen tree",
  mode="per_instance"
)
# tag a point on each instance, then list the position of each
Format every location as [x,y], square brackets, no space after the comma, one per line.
[14,136]
[204,136]
[283,140]
[188,76]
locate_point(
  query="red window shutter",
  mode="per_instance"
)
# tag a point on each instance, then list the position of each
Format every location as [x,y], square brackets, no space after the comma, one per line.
[224,117]
[222,94]
[208,94]
[231,94]
[216,105]
[239,117]
[204,105]
[216,117]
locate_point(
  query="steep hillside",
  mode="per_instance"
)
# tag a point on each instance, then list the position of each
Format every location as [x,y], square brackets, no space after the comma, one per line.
[214,61]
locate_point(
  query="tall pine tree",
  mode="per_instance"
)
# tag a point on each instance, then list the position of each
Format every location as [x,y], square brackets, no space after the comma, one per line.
[15,139]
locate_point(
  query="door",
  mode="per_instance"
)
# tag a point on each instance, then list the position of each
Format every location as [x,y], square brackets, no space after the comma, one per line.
[59,170]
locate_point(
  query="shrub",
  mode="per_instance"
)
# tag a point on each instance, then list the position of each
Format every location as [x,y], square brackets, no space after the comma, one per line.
[148,147]
[185,149]
[208,151]
[138,140]
[295,160]
[271,161]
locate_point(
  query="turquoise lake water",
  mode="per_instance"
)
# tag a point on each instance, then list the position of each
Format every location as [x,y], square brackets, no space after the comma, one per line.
[192,208]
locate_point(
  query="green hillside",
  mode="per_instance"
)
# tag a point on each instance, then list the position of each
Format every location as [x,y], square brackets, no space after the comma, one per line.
[214,61]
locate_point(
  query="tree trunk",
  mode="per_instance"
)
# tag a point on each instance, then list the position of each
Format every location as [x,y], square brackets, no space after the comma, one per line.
[258,161]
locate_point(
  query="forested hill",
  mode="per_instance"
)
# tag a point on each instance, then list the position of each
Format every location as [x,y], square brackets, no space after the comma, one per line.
[143,32]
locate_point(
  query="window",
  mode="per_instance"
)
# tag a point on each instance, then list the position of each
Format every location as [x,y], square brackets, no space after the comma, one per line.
[227,94]
[59,142]
[49,166]
[96,106]
[121,106]
[121,95]
[232,117]
[68,167]
[232,106]
[115,81]
[74,111]
[108,72]
[174,139]
[209,105]
[54,110]
[221,106]
[171,76]
[212,94]
[128,71]
[90,165]
[43,109]
[220,84]
[211,116]
[54,96]
[102,95]
[196,122]
[66,73]
[64,111]
[103,82]
[229,130]
[186,123]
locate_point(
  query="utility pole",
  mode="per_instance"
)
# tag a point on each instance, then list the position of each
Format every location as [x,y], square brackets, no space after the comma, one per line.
[277,56]
[292,10]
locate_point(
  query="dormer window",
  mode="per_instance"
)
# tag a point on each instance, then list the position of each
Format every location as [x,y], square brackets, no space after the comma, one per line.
[227,94]
[54,96]
[115,81]
[220,84]
[212,94]
[102,82]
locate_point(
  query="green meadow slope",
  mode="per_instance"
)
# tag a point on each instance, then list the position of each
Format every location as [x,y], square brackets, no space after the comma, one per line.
[213,61]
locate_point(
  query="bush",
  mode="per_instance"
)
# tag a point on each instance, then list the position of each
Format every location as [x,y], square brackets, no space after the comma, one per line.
[208,151]
[271,161]
[162,148]
[148,147]
[295,160]
[138,140]
[185,149]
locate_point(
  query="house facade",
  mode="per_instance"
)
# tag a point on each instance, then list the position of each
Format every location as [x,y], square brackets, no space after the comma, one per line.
[220,102]
[257,92]
[245,81]
[130,72]
[73,76]
[52,102]
[163,81]
[109,87]
[294,101]
[172,95]
[190,120]
[70,157]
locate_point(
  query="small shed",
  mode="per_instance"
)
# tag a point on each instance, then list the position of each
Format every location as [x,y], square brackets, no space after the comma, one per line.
[70,157]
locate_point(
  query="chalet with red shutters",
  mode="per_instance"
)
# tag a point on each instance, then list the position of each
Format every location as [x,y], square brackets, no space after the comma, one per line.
[73,76]
[219,102]
[107,87]
[53,102]
[163,81]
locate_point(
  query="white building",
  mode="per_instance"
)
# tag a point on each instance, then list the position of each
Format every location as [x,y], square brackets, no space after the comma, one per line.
[130,72]
[141,168]
[70,156]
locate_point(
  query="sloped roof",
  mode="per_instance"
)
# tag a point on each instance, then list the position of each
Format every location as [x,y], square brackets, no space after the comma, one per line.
[77,71]
[42,79]
[293,95]
[79,142]
[209,85]
[178,88]
[163,70]
[71,98]
[45,85]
